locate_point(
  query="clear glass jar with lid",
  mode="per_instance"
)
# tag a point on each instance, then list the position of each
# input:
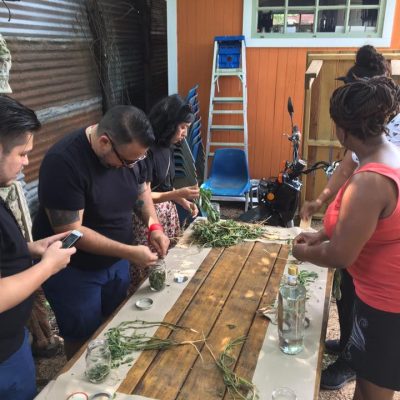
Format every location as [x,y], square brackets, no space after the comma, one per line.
[98,360]
[158,276]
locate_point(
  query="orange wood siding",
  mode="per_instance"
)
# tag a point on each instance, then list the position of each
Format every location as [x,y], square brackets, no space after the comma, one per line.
[273,74]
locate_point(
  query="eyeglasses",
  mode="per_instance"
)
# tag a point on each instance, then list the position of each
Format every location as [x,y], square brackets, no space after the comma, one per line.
[125,163]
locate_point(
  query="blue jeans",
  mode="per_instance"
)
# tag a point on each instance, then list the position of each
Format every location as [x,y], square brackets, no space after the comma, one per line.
[17,374]
[82,299]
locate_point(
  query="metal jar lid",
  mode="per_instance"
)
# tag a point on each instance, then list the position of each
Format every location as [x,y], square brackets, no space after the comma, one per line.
[78,396]
[101,396]
[144,303]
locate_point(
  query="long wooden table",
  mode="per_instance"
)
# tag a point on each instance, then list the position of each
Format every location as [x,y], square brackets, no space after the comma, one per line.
[220,302]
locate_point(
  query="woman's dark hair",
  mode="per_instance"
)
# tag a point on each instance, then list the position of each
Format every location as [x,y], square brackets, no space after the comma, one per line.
[364,107]
[369,63]
[165,117]
[16,121]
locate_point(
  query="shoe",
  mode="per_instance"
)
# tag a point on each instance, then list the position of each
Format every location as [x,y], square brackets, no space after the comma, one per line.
[333,347]
[337,375]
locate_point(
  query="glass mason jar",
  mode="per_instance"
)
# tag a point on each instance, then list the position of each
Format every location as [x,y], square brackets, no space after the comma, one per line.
[98,360]
[283,393]
[158,276]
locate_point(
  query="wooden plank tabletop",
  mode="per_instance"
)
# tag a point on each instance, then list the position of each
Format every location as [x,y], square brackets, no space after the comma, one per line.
[221,302]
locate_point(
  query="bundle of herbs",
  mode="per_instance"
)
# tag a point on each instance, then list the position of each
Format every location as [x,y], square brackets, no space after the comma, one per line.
[224,233]
[126,338]
[238,387]
[204,204]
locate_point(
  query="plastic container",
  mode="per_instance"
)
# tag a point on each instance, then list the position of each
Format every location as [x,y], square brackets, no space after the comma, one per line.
[229,49]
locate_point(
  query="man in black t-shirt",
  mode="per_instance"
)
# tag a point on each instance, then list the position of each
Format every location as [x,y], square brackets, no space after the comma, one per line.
[91,181]
[18,278]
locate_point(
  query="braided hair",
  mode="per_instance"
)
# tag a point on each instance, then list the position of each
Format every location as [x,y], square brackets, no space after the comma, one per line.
[369,63]
[364,107]
[167,115]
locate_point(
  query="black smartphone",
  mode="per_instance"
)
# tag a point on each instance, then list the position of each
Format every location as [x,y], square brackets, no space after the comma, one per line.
[71,239]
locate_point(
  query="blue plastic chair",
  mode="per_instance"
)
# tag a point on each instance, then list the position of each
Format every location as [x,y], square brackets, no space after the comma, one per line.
[229,177]
[192,92]
[194,138]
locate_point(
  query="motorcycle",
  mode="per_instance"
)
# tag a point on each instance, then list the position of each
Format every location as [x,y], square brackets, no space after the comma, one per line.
[278,197]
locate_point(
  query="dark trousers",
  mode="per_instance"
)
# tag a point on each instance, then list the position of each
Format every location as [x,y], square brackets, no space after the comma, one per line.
[17,374]
[82,299]
[345,307]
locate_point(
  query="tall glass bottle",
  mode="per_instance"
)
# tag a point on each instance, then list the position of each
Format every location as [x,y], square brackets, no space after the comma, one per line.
[291,313]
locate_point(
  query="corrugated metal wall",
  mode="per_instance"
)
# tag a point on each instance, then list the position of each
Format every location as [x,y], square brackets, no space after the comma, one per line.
[135,38]
[53,70]
[158,87]
[118,36]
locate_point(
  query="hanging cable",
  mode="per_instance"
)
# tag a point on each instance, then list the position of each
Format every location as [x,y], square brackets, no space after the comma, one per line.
[8,8]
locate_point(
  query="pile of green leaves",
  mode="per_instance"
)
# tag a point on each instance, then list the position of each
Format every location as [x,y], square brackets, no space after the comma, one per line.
[126,338]
[224,233]
[204,204]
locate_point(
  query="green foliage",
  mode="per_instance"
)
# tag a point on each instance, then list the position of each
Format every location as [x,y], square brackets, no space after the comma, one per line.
[224,233]
[204,204]
[237,386]
[127,338]
[307,277]
[157,279]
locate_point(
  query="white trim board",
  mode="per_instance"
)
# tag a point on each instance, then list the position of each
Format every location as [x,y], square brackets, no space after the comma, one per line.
[384,41]
[172,45]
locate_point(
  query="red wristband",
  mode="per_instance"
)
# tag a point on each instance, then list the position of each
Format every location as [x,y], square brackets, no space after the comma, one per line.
[154,227]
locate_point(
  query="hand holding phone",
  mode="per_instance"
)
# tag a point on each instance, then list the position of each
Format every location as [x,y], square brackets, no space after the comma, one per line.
[71,239]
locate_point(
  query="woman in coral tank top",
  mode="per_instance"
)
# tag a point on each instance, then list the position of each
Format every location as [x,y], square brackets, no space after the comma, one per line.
[362,233]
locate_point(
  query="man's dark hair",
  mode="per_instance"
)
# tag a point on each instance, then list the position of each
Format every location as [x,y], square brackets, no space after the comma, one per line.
[126,124]
[16,121]
[167,115]
[364,107]
[369,63]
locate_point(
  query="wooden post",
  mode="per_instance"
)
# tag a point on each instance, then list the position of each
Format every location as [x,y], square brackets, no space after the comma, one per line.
[312,72]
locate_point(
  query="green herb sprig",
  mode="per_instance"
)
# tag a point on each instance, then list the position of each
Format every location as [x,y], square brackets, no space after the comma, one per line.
[126,338]
[204,204]
[224,233]
[238,387]
[306,277]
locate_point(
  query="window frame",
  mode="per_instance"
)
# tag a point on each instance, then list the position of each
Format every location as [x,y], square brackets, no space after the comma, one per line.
[384,24]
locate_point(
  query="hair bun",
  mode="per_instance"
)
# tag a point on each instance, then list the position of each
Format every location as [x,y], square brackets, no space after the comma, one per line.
[367,57]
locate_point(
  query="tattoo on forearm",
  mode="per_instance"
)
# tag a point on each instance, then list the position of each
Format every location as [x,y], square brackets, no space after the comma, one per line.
[62,217]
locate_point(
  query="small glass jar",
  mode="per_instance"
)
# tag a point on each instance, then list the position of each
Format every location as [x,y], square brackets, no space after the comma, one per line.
[98,361]
[283,393]
[158,276]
